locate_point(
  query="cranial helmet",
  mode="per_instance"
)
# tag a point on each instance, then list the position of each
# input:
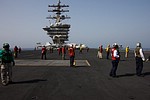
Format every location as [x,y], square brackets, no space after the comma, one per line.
[115,45]
[6,45]
[138,44]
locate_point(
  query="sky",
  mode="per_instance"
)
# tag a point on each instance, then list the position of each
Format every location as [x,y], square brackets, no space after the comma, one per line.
[93,22]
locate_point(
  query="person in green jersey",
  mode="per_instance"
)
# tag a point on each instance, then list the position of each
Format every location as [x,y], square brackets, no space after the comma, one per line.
[7,61]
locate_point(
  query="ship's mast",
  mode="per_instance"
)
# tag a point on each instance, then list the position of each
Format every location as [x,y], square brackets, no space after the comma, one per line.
[58,31]
[58,11]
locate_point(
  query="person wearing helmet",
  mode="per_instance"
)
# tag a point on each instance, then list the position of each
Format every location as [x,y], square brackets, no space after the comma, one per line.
[6,66]
[115,59]
[139,57]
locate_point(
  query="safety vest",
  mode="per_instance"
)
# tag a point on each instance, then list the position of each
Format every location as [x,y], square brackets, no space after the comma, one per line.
[6,56]
[71,52]
[1,51]
[16,49]
[137,51]
[112,53]
[43,50]
[127,49]
[63,50]
[107,49]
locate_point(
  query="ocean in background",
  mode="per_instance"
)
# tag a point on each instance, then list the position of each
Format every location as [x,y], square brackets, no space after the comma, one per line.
[27,48]
[145,49]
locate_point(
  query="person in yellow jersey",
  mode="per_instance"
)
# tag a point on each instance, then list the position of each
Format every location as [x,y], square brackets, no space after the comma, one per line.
[127,52]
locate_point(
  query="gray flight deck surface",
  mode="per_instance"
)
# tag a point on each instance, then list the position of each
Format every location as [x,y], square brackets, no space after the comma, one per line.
[53,79]
[50,63]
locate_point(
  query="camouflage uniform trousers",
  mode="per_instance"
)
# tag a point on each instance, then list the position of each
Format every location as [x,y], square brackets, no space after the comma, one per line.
[6,73]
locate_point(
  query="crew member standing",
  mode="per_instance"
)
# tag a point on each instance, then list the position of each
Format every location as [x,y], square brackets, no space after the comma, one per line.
[100,51]
[43,52]
[15,51]
[115,59]
[6,64]
[127,52]
[107,51]
[80,51]
[72,55]
[139,57]
[63,52]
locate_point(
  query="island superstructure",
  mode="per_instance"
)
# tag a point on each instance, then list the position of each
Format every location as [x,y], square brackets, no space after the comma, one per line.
[58,31]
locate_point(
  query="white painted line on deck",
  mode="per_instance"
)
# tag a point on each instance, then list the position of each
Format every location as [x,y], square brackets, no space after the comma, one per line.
[88,63]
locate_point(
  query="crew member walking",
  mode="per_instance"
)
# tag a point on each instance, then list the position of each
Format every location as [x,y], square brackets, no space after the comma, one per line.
[72,55]
[63,52]
[15,51]
[115,59]
[43,52]
[139,57]
[6,64]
